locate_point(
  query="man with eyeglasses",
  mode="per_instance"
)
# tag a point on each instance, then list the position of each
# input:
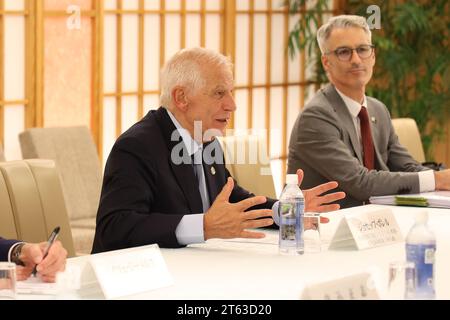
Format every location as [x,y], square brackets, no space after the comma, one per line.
[345,136]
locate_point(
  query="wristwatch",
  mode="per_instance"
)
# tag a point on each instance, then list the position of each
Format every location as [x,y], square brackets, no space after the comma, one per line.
[15,254]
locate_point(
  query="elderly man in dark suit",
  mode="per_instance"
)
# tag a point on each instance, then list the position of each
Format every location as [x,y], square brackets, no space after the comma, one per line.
[345,136]
[165,181]
[28,255]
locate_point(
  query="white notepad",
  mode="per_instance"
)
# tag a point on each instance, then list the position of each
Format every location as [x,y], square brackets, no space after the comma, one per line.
[34,285]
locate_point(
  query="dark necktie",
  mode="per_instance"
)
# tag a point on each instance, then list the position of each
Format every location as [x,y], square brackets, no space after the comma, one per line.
[367,141]
[200,175]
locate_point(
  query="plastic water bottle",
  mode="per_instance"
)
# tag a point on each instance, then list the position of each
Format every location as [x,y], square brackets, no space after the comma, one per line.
[291,208]
[421,249]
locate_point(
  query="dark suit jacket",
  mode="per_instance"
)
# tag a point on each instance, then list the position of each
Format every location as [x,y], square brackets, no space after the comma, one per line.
[325,145]
[4,248]
[145,194]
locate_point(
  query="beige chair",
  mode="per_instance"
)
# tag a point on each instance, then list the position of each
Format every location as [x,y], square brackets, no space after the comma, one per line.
[2,156]
[7,224]
[409,136]
[36,202]
[247,160]
[75,155]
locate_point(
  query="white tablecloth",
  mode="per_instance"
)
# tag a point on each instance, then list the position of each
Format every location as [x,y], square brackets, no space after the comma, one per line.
[253,269]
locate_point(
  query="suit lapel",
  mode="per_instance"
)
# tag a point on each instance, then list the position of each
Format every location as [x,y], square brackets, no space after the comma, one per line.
[344,115]
[184,172]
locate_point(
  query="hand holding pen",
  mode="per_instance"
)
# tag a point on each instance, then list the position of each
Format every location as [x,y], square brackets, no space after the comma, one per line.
[45,258]
[50,242]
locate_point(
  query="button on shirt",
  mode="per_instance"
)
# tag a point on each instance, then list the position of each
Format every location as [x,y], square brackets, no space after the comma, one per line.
[426,178]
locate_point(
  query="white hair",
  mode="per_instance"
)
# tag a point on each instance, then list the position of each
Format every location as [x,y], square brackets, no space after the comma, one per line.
[186,68]
[342,21]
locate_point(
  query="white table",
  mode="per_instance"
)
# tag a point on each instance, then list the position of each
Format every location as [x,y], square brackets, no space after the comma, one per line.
[243,269]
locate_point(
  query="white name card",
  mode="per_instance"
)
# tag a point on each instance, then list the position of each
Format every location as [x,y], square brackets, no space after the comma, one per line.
[367,229]
[360,286]
[130,271]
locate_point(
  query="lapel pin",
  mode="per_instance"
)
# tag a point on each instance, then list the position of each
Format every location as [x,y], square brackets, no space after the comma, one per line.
[213,171]
[373,119]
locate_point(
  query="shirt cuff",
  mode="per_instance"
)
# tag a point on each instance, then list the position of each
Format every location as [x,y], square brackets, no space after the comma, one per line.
[275,215]
[190,229]
[11,250]
[426,181]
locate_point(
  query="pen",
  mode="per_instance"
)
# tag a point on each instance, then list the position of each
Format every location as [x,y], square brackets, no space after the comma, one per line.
[50,242]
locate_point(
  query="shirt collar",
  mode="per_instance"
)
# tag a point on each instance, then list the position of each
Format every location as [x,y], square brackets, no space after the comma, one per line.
[192,146]
[353,106]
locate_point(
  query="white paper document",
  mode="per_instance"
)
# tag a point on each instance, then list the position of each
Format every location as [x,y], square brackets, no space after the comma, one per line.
[34,285]
[435,199]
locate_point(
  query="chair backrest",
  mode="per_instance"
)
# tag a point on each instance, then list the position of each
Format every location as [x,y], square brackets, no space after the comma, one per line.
[75,155]
[37,201]
[7,224]
[409,136]
[247,160]
[2,156]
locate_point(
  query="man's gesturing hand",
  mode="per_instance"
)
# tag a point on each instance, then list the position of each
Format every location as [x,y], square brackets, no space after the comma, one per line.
[315,201]
[229,220]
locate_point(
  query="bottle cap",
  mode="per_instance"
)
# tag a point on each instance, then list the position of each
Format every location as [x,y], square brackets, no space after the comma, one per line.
[291,179]
[422,217]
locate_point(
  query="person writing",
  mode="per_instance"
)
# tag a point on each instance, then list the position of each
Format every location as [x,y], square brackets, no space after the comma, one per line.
[27,256]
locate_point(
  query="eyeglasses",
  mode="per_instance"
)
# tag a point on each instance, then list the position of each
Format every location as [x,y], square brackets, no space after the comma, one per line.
[345,54]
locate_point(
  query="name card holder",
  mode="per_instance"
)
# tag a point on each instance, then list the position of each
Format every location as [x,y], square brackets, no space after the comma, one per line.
[367,229]
[360,286]
[130,271]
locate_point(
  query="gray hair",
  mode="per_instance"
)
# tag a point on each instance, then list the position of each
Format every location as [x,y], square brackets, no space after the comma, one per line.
[342,21]
[186,68]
